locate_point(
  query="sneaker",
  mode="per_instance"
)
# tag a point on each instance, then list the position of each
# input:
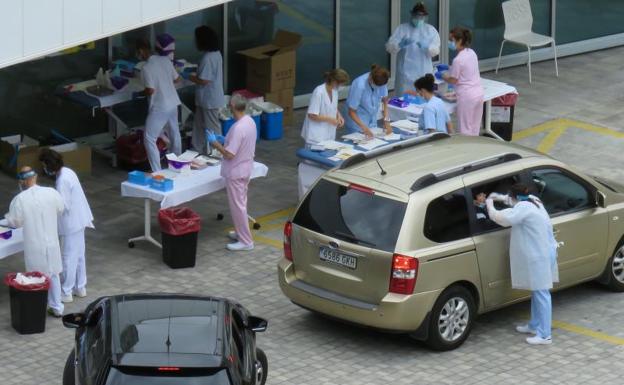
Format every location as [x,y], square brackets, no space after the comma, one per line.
[233,236]
[54,313]
[537,340]
[237,246]
[525,329]
[80,293]
[67,298]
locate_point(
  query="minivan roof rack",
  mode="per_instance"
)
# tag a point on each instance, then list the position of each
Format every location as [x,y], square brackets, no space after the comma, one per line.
[433,178]
[361,157]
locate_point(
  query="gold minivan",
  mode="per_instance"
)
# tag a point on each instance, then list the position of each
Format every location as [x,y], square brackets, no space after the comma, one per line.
[395,239]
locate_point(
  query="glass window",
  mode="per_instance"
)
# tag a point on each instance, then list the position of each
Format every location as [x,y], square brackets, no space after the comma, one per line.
[364,30]
[446,219]
[480,192]
[352,215]
[485,19]
[151,376]
[581,19]
[431,5]
[252,23]
[559,192]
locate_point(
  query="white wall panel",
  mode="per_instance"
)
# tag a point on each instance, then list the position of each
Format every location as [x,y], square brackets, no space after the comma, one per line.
[43,25]
[155,9]
[11,30]
[121,14]
[82,19]
[193,4]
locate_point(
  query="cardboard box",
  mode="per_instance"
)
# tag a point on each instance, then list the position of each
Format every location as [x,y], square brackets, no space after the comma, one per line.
[272,67]
[17,151]
[284,99]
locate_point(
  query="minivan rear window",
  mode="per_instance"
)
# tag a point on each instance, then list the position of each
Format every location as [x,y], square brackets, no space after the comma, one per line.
[352,215]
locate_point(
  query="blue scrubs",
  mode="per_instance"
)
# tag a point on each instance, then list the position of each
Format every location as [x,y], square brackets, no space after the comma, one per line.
[365,99]
[435,115]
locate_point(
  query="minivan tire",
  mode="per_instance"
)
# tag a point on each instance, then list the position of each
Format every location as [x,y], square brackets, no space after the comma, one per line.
[69,373]
[612,282]
[455,297]
[264,363]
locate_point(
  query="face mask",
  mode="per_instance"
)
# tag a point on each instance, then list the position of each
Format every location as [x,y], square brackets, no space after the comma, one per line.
[521,198]
[418,22]
[452,46]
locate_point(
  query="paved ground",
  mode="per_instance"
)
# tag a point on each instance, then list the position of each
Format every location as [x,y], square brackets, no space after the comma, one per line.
[307,349]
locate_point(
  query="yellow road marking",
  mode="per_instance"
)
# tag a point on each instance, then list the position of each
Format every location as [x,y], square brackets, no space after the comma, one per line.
[549,141]
[268,241]
[281,215]
[534,130]
[587,332]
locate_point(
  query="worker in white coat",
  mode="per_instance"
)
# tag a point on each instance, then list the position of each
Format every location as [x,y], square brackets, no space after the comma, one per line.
[533,256]
[75,219]
[416,43]
[37,209]
[159,78]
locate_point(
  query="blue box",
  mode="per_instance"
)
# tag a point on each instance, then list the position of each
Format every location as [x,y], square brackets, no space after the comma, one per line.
[163,185]
[226,125]
[272,127]
[257,119]
[139,177]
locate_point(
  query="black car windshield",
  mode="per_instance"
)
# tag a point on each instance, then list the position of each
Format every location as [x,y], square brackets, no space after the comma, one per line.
[123,377]
[352,214]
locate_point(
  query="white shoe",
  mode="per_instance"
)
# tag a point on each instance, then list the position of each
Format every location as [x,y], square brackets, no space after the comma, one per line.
[237,246]
[525,329]
[67,298]
[54,313]
[536,340]
[80,293]
[233,236]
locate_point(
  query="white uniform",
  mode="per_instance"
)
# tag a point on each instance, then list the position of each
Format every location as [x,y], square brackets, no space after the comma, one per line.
[320,104]
[76,217]
[37,210]
[414,59]
[159,74]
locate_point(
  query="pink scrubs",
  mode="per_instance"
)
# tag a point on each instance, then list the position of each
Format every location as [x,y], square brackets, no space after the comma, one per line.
[241,142]
[469,92]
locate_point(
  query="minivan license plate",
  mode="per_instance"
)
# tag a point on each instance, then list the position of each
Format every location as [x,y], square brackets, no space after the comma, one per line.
[338,258]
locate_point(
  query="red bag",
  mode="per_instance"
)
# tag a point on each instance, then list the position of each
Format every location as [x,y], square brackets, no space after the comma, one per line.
[507,100]
[10,281]
[178,221]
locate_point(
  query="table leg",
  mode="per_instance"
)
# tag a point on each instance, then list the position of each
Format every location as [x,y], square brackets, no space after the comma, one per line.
[488,121]
[147,234]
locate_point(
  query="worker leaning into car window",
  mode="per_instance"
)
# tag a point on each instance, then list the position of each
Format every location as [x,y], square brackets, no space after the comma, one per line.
[533,256]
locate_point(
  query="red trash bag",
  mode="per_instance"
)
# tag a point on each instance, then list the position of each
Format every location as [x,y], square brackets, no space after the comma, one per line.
[10,281]
[507,100]
[178,221]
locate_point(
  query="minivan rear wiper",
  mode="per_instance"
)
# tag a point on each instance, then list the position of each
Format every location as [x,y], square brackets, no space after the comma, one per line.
[353,238]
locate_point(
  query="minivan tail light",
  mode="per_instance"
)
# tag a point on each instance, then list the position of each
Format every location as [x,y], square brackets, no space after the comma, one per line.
[287,234]
[168,369]
[403,276]
[362,189]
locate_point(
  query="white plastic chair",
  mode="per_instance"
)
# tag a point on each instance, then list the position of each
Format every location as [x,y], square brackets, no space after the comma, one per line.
[518,24]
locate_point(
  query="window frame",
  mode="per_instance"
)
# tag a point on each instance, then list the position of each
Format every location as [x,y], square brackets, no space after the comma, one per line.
[591,189]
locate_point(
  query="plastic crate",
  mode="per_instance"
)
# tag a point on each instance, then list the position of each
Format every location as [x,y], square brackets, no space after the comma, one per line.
[139,177]
[163,185]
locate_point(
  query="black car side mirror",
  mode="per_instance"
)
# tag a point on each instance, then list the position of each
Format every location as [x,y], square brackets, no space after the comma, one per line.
[73,320]
[257,324]
[601,199]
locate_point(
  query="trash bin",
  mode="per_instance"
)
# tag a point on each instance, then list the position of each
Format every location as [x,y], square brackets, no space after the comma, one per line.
[503,114]
[28,302]
[179,227]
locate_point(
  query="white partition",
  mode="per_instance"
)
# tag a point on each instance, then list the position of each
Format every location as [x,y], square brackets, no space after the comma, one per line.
[34,28]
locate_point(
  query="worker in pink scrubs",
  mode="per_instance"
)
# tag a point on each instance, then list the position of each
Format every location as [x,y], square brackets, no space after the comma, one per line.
[238,152]
[464,74]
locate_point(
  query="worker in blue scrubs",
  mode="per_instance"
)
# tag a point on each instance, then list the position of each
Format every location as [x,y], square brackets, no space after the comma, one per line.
[367,94]
[435,116]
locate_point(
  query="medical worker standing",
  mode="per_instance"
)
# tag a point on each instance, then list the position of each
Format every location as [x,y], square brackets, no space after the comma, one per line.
[416,43]
[209,96]
[75,219]
[323,116]
[533,256]
[435,116]
[159,77]
[367,94]
[37,209]
[238,155]
[464,74]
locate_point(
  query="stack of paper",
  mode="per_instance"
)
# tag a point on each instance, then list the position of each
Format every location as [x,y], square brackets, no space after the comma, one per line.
[356,137]
[406,125]
[334,145]
[372,143]
[391,137]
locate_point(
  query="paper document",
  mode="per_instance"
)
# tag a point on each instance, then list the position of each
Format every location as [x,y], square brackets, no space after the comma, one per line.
[406,125]
[392,136]
[372,143]
[334,145]
[345,154]
[356,137]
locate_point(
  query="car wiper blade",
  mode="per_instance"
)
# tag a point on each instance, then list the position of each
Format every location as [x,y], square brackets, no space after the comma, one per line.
[353,239]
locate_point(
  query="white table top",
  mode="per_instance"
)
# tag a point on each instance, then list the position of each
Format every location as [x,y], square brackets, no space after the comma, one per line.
[13,245]
[187,187]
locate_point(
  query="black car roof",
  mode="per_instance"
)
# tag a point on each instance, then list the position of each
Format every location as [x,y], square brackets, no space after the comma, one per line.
[167,330]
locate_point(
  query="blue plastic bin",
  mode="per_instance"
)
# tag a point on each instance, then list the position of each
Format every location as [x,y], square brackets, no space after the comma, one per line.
[163,185]
[226,125]
[139,177]
[272,126]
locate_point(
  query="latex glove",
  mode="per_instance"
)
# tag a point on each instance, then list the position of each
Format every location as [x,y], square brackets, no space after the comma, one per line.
[211,137]
[489,203]
[220,139]
[423,45]
[405,42]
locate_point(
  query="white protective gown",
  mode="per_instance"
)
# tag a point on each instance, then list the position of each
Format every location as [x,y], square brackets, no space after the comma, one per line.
[77,215]
[37,210]
[533,248]
[413,61]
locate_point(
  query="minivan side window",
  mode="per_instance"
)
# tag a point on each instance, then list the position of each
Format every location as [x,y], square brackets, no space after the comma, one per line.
[478,195]
[446,219]
[559,192]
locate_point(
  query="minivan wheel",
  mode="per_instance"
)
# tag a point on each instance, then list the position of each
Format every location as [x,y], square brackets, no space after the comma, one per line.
[452,318]
[615,269]
[262,367]
[69,373]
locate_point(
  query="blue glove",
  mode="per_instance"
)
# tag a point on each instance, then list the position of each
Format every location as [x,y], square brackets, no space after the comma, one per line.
[211,137]
[405,42]
[423,45]
[220,139]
